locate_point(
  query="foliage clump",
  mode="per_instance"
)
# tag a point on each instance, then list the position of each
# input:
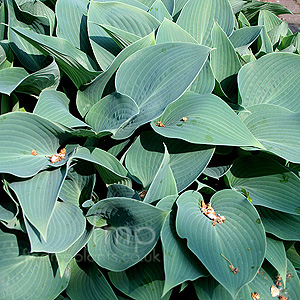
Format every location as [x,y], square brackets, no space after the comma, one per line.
[149,149]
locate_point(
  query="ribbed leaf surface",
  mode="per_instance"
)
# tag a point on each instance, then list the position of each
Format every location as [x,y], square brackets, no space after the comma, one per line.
[20,133]
[132,232]
[268,183]
[277,257]
[88,284]
[65,226]
[27,276]
[209,121]
[93,92]
[54,106]
[180,264]
[193,21]
[38,195]
[187,160]
[143,281]
[280,71]
[277,129]
[241,238]
[284,226]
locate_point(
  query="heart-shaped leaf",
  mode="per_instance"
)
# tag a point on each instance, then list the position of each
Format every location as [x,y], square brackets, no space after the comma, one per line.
[132,232]
[203,119]
[232,251]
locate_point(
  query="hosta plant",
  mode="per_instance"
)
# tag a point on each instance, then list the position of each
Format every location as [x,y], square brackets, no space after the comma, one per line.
[149,150]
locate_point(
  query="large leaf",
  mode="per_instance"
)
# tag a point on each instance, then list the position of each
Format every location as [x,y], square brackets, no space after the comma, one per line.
[111,113]
[187,160]
[132,232]
[38,195]
[209,121]
[27,276]
[63,258]
[135,23]
[266,182]
[277,129]
[277,257]
[174,66]
[75,63]
[65,227]
[180,264]
[110,169]
[88,284]
[143,281]
[191,18]
[171,32]
[283,225]
[93,92]
[163,183]
[72,23]
[22,132]
[17,79]
[30,57]
[54,106]
[278,88]
[240,239]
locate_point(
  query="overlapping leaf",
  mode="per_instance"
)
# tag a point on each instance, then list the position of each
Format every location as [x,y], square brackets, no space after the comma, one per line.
[132,232]
[174,66]
[277,129]
[266,182]
[180,264]
[143,281]
[38,195]
[187,160]
[22,132]
[88,284]
[280,71]
[191,18]
[91,94]
[239,242]
[17,79]
[209,121]
[54,106]
[75,63]
[65,227]
[27,276]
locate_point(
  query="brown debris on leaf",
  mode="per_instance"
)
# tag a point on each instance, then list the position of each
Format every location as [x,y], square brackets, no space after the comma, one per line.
[33,152]
[58,157]
[231,267]
[275,291]
[283,298]
[278,280]
[160,124]
[184,119]
[255,296]
[208,211]
[142,194]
